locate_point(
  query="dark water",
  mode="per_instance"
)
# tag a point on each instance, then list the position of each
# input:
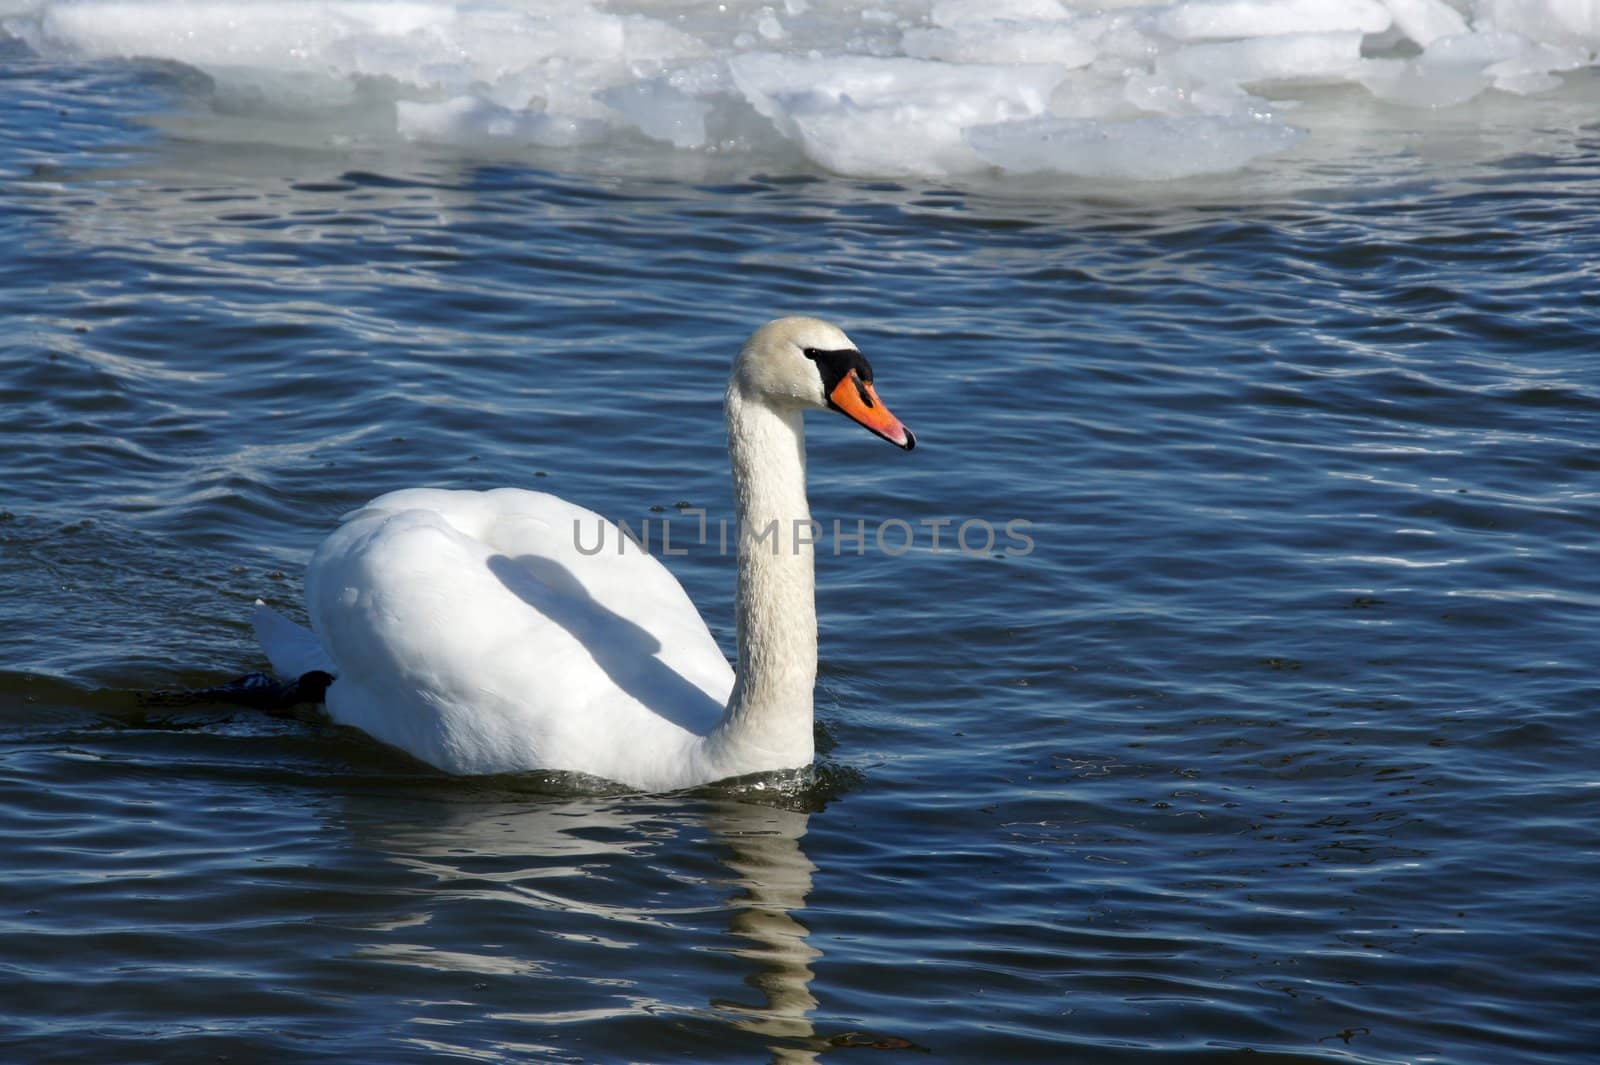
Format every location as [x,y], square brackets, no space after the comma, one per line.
[1280,745]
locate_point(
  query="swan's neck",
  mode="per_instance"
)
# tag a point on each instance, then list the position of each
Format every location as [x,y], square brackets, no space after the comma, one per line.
[767,724]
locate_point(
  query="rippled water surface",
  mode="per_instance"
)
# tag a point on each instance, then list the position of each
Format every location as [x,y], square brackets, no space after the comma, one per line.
[1279,745]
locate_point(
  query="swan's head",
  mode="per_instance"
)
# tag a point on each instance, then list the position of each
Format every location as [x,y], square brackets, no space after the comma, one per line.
[806,362]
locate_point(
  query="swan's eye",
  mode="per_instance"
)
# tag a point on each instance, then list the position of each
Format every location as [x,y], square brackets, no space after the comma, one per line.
[835,365]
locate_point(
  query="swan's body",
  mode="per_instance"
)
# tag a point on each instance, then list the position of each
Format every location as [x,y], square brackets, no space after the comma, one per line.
[470,630]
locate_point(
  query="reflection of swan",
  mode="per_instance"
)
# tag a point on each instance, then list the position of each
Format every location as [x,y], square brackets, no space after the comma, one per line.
[775,876]
[469,629]
[541,894]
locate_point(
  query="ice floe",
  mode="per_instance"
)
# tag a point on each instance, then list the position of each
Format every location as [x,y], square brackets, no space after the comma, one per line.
[888,88]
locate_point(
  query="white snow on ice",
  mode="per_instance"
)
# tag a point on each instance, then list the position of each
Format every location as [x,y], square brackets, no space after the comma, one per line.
[885,88]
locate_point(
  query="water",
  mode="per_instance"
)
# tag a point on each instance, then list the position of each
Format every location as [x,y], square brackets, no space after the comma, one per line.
[1279,745]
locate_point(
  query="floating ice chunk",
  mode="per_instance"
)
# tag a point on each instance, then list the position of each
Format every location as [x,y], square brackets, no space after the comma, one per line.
[1425,21]
[1093,93]
[884,89]
[488,59]
[421,43]
[468,120]
[1566,22]
[228,32]
[963,12]
[1475,48]
[1145,149]
[1410,83]
[1127,41]
[1512,62]
[1452,70]
[1289,57]
[1532,69]
[660,111]
[889,117]
[1002,42]
[1165,95]
[1227,19]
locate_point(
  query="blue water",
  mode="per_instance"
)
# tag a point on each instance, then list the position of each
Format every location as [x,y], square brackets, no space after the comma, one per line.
[1279,745]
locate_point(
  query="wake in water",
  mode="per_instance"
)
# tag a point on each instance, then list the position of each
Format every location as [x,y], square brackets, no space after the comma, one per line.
[903,88]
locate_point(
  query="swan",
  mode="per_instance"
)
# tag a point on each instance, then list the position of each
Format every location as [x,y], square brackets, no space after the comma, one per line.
[481,632]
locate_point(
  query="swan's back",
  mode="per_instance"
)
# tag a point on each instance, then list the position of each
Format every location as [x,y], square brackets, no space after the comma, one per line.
[468,629]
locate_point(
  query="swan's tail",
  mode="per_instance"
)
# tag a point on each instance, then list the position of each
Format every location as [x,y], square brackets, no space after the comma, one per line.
[292,649]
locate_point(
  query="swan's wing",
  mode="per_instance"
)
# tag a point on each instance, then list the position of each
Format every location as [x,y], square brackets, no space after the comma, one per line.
[468,629]
[580,557]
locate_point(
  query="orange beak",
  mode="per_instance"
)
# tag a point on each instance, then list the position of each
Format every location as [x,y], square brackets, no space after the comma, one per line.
[859,401]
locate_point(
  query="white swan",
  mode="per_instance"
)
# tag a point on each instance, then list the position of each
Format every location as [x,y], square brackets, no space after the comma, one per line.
[470,630]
